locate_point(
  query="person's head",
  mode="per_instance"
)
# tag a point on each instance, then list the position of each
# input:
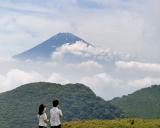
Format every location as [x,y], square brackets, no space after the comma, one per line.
[55,103]
[42,109]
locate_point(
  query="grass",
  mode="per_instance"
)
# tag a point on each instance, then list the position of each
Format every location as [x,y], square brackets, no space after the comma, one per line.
[119,123]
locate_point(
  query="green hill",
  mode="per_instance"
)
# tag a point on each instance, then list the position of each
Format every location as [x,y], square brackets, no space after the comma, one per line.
[144,103]
[125,123]
[19,107]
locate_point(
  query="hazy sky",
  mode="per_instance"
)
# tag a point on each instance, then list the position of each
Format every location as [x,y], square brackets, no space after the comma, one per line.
[127,26]
[124,25]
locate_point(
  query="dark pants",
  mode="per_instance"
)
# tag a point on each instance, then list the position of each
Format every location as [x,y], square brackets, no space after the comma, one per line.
[59,126]
[42,127]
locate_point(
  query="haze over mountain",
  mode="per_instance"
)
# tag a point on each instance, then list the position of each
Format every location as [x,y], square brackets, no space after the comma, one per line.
[67,58]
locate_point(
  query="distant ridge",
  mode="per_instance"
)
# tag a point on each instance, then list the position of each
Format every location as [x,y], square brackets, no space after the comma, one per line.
[46,48]
[144,103]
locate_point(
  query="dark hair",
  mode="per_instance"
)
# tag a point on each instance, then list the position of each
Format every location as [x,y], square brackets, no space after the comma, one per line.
[41,109]
[55,103]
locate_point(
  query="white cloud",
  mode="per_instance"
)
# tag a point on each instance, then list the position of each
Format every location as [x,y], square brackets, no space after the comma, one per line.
[86,65]
[102,77]
[145,82]
[6,59]
[103,85]
[16,77]
[15,6]
[108,87]
[100,81]
[132,65]
[82,49]
[57,78]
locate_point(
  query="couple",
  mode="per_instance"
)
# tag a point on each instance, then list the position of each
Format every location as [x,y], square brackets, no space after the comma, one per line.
[55,114]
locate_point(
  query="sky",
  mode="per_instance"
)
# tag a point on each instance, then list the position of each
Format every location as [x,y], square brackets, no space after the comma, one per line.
[131,27]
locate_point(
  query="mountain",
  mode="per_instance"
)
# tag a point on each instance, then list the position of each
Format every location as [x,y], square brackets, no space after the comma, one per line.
[144,103]
[73,53]
[19,106]
[45,49]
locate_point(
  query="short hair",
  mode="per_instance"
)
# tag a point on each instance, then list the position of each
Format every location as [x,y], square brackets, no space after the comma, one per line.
[55,103]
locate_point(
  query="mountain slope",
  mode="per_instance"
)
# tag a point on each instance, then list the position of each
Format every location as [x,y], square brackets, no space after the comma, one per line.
[77,101]
[144,103]
[46,48]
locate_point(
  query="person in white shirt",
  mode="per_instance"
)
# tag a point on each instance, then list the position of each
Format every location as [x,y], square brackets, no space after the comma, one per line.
[55,115]
[42,117]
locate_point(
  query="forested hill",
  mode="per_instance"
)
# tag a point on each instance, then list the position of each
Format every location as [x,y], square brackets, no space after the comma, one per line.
[144,103]
[19,107]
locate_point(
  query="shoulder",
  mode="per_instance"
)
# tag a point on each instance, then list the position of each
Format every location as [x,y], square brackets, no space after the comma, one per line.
[44,114]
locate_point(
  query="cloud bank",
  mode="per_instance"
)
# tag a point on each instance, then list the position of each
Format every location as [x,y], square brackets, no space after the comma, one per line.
[134,65]
[105,83]
[84,50]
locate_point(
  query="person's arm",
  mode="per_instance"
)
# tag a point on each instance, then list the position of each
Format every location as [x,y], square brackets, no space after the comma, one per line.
[45,118]
[60,113]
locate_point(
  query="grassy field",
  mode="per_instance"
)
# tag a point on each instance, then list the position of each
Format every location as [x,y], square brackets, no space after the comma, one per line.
[119,123]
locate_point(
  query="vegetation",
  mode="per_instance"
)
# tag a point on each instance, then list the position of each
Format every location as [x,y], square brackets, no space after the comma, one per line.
[124,123]
[144,103]
[19,107]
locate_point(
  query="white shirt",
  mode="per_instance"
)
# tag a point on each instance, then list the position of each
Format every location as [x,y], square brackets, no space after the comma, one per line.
[55,115]
[42,118]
